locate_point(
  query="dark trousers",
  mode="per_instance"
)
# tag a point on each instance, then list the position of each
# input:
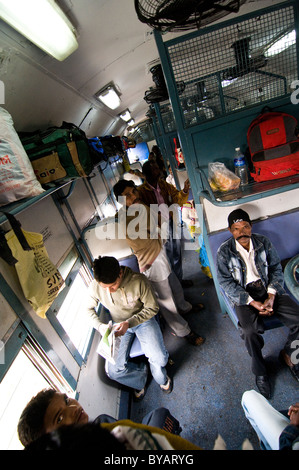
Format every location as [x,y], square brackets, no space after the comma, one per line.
[173,251]
[158,418]
[251,323]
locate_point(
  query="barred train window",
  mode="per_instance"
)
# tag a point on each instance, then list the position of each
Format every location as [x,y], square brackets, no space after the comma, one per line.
[71,313]
[30,372]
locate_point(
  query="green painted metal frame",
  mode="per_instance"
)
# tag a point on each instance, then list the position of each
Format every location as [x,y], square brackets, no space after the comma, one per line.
[19,334]
[186,135]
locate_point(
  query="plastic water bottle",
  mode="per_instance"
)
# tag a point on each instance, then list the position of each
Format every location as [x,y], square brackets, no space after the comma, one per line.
[240,167]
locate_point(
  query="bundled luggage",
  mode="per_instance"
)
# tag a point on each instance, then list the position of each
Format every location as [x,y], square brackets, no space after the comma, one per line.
[274,146]
[17,179]
[58,154]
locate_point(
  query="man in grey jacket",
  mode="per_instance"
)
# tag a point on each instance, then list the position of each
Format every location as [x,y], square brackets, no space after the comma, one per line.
[250,273]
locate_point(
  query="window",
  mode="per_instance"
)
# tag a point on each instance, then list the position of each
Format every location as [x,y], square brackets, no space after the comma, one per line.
[66,314]
[30,372]
[71,313]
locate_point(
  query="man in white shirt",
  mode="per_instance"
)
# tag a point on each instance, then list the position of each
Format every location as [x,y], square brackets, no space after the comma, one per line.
[250,273]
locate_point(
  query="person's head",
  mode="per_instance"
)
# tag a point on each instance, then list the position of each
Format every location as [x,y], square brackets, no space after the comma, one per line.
[90,436]
[156,151]
[151,157]
[127,189]
[107,272]
[239,224]
[151,171]
[46,412]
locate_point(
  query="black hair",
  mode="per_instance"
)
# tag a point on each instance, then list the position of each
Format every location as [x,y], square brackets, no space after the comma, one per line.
[88,436]
[121,185]
[31,422]
[106,269]
[147,169]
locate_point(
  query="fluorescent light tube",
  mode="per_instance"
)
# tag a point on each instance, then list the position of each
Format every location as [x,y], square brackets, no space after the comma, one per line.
[283,43]
[109,97]
[43,23]
[125,116]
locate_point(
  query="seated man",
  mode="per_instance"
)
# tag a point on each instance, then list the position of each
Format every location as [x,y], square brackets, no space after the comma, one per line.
[250,273]
[132,304]
[276,430]
[50,411]
[148,247]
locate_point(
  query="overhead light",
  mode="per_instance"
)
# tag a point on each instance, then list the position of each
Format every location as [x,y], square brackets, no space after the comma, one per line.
[43,23]
[109,97]
[281,44]
[125,115]
[131,122]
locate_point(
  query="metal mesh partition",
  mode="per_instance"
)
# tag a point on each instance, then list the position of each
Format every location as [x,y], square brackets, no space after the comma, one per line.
[143,132]
[235,66]
[167,117]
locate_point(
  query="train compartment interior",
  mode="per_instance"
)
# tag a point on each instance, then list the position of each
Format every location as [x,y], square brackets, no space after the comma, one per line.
[211,81]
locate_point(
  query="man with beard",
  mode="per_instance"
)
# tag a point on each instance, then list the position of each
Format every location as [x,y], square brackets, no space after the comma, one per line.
[250,273]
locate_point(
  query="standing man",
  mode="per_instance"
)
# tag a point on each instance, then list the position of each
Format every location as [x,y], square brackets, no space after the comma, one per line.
[132,305]
[250,273]
[155,190]
[148,248]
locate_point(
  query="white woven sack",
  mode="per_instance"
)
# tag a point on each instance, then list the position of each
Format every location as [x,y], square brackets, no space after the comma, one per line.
[17,178]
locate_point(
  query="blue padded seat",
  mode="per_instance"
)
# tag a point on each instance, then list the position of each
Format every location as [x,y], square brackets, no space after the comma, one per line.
[283,231]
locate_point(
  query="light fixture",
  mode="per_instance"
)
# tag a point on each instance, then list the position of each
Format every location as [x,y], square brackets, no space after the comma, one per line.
[43,23]
[281,44]
[109,97]
[125,115]
[131,122]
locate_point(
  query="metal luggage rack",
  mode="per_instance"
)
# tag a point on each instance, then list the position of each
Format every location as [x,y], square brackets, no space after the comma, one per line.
[249,191]
[229,68]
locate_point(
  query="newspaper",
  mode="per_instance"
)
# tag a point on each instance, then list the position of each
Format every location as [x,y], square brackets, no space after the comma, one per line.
[109,344]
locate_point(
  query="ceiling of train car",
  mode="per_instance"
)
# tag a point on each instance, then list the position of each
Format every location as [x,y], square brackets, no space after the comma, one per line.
[113,46]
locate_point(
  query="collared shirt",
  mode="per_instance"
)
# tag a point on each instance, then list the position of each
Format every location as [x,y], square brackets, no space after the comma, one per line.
[160,200]
[252,274]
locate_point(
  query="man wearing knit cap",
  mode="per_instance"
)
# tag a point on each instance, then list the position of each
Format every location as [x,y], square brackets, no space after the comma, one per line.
[250,273]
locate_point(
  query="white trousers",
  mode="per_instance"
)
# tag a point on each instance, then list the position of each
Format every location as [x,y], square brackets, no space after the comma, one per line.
[170,294]
[267,422]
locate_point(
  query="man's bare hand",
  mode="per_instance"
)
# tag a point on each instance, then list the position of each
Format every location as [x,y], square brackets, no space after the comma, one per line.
[121,328]
[294,414]
[263,310]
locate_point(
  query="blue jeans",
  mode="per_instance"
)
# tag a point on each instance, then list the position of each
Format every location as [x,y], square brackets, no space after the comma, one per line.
[135,375]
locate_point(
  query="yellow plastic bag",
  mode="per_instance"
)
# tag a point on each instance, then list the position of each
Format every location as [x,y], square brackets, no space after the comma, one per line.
[39,278]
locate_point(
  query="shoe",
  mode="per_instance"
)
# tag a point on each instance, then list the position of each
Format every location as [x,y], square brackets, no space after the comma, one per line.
[186,283]
[294,368]
[263,384]
[167,388]
[194,339]
[197,307]
[139,394]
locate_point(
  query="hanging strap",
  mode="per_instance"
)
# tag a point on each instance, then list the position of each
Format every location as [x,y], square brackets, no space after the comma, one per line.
[5,251]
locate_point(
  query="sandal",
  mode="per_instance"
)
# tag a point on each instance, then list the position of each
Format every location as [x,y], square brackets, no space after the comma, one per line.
[194,339]
[167,388]
[139,394]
